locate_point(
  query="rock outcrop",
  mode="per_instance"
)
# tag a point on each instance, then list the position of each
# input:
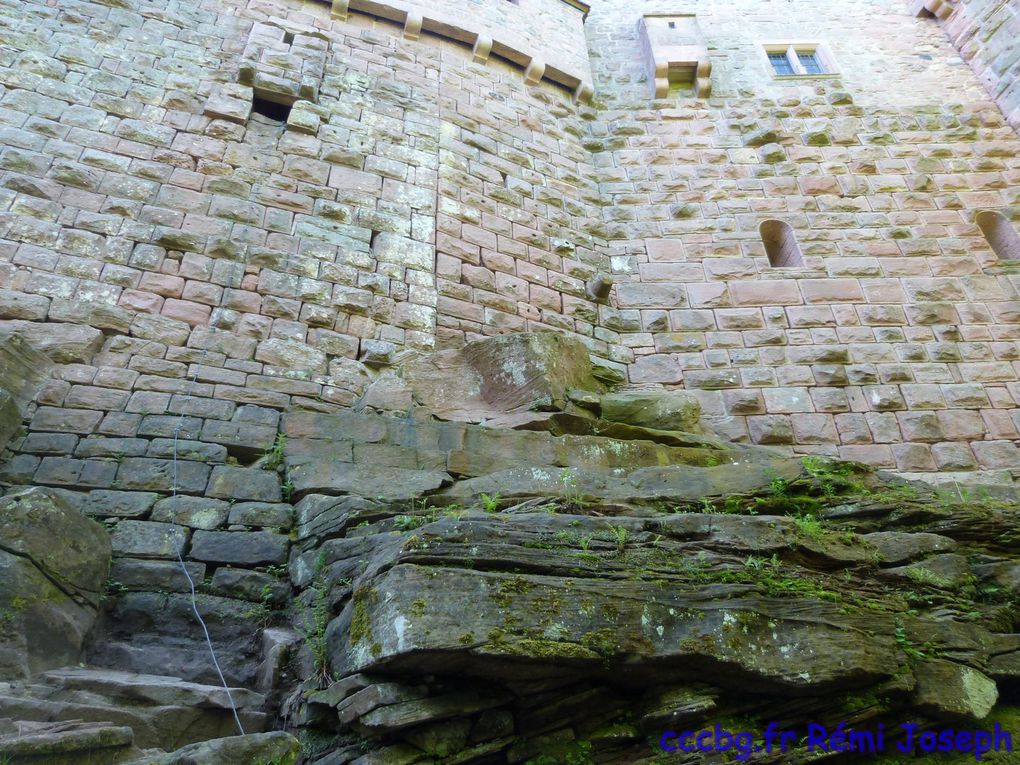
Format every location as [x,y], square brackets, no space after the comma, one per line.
[559,581]
[53,567]
[22,371]
[583,610]
[499,375]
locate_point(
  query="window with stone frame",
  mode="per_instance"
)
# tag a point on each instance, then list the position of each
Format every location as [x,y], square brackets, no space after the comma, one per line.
[797,59]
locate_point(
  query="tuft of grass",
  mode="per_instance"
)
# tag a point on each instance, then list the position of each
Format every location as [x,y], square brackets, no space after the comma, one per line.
[572,495]
[273,458]
[809,526]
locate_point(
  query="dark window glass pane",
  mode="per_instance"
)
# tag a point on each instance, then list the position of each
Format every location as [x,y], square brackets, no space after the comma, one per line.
[780,63]
[810,63]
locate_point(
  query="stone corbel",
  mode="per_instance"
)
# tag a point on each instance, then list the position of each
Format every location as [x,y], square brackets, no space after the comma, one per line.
[340,9]
[583,93]
[412,26]
[660,78]
[599,287]
[535,71]
[482,49]
[938,8]
[703,79]
[674,49]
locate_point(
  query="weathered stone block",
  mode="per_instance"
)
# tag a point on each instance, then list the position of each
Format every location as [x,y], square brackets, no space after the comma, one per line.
[144,539]
[660,410]
[236,483]
[193,512]
[53,566]
[145,474]
[240,548]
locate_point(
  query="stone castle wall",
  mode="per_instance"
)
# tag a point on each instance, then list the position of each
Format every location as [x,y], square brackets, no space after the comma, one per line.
[895,343]
[178,253]
[987,32]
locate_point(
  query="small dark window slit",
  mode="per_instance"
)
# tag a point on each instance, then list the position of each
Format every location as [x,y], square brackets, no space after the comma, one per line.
[780,244]
[1001,235]
[271,109]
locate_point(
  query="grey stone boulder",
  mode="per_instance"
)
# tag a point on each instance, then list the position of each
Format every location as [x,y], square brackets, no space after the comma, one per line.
[530,370]
[277,747]
[896,547]
[10,417]
[951,690]
[68,743]
[159,711]
[321,476]
[242,548]
[486,378]
[53,564]
[22,371]
[660,410]
[63,343]
[23,368]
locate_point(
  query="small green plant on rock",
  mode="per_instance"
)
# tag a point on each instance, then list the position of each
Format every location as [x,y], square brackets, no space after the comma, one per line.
[273,458]
[287,489]
[779,487]
[809,526]
[313,631]
[490,504]
[407,522]
[112,589]
[572,495]
[621,534]
[927,577]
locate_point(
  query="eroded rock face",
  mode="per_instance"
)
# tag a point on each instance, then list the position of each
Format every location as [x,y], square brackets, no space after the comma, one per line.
[507,373]
[277,748]
[53,564]
[10,417]
[572,621]
[660,410]
[22,371]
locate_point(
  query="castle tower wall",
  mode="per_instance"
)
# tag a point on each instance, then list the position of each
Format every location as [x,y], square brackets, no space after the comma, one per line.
[440,178]
[895,340]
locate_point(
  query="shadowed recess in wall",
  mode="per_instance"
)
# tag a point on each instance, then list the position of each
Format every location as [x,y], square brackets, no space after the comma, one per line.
[781,244]
[1000,234]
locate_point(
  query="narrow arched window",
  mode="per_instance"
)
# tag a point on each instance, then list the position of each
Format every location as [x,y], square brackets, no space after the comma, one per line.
[1000,234]
[780,244]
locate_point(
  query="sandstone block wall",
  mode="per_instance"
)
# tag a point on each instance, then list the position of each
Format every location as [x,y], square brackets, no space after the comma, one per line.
[895,341]
[178,251]
[987,32]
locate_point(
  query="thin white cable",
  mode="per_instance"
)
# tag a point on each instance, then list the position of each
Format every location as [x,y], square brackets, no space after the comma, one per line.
[174,533]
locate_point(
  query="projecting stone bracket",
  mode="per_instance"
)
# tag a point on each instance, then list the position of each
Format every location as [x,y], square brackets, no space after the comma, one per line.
[412,26]
[229,101]
[938,8]
[674,51]
[482,49]
[283,63]
[599,288]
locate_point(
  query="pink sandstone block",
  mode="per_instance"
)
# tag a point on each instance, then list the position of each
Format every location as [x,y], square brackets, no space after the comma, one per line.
[772,292]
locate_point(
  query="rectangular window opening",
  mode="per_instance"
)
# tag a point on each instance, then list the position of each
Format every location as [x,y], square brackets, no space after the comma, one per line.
[781,63]
[288,38]
[809,60]
[270,109]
